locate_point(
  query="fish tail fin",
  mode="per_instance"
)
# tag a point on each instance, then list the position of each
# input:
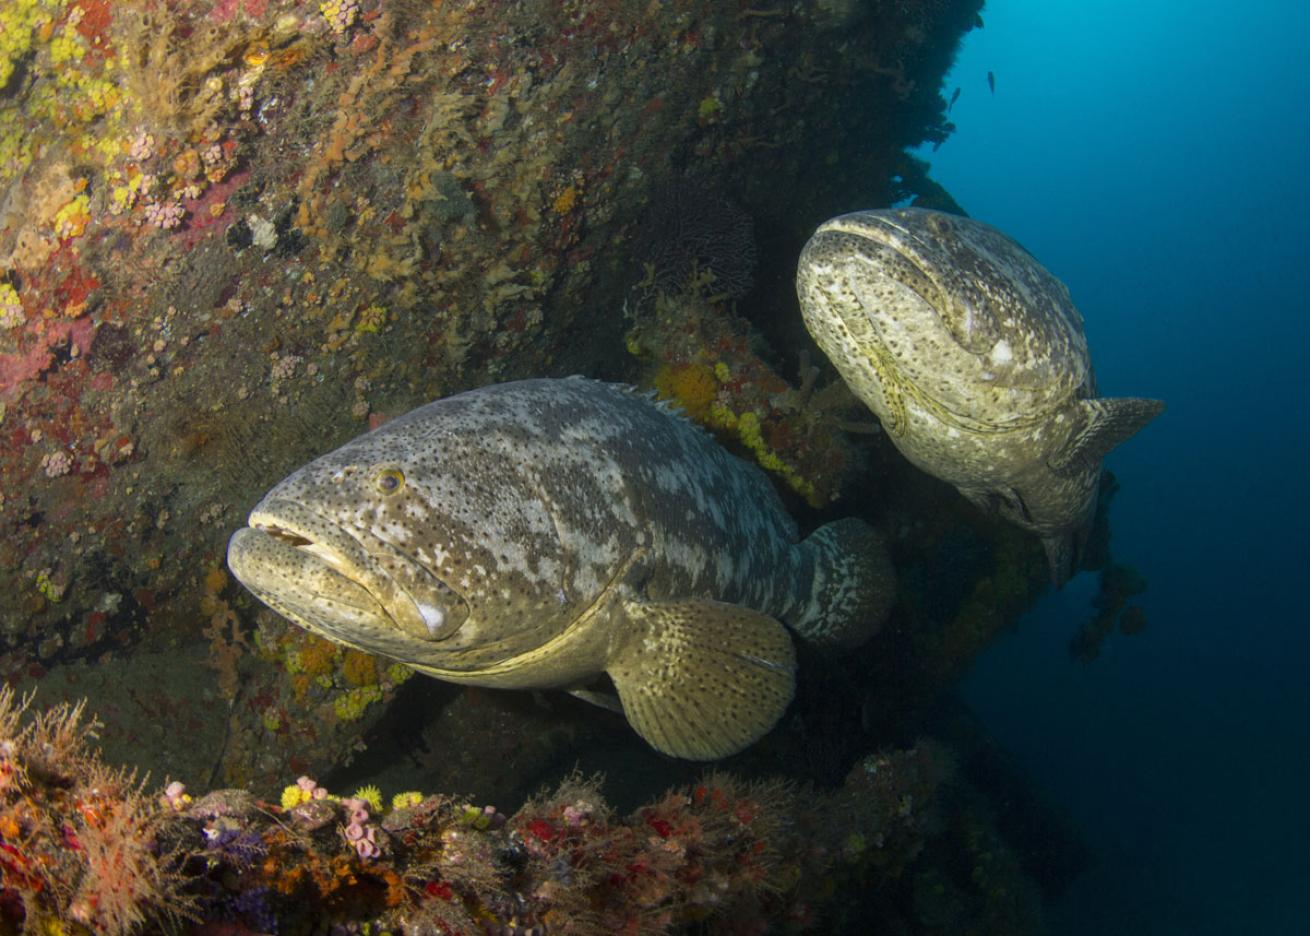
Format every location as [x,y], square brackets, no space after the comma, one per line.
[1103,423]
[852,585]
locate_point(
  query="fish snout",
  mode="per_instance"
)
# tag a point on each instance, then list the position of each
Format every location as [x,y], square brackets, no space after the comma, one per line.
[297,583]
[291,549]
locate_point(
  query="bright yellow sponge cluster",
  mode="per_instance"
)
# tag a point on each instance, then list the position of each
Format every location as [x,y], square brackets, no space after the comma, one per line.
[19,19]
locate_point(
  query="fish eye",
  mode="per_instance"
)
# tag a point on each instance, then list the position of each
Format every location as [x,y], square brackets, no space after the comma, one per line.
[389,480]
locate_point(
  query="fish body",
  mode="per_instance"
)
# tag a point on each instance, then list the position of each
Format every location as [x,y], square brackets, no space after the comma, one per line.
[541,533]
[973,357]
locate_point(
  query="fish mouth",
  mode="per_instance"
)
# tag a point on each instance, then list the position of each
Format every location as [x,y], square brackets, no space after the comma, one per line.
[890,251]
[342,583]
[885,279]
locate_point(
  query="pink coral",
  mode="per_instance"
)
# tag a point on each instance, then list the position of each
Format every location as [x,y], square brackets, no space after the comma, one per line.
[143,147]
[30,364]
[57,463]
[359,833]
[165,215]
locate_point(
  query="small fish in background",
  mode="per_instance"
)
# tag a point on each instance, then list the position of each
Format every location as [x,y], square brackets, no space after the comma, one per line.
[977,21]
[955,96]
[542,533]
[991,82]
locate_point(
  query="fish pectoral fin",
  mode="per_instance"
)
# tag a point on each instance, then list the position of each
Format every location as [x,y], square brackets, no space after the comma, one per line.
[702,679]
[603,700]
[1105,424]
[1061,557]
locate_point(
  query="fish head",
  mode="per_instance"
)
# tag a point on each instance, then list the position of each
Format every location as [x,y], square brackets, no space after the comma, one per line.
[362,547]
[945,310]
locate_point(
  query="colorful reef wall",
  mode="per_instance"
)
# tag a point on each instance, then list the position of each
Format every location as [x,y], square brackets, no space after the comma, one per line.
[89,848]
[236,233]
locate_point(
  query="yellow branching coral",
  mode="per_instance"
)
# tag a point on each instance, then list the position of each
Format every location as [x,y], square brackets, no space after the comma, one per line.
[751,435]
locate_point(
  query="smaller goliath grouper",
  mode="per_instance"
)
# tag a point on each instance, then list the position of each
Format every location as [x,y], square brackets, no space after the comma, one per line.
[541,533]
[973,357]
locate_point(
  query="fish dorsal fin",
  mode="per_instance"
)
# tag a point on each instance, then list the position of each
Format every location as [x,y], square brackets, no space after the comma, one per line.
[1105,423]
[702,679]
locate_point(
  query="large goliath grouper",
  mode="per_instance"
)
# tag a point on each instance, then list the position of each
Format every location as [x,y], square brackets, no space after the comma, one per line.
[539,534]
[973,357]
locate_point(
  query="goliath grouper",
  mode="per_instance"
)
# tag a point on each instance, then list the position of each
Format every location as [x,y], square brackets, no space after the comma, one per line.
[538,534]
[973,357]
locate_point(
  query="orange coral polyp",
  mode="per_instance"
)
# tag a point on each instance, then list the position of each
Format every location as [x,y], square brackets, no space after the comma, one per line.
[692,386]
[359,668]
[317,656]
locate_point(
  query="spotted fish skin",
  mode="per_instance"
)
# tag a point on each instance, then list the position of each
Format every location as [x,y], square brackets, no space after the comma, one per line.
[537,534]
[973,356]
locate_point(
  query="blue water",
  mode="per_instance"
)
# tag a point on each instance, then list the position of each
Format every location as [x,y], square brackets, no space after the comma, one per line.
[1156,156]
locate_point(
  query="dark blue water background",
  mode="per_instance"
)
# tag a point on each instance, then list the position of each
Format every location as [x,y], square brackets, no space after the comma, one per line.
[1156,157]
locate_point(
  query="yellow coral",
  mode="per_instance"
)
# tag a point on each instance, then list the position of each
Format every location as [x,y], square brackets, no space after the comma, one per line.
[19,19]
[359,669]
[371,795]
[371,319]
[720,417]
[351,705]
[65,48]
[315,657]
[294,795]
[11,307]
[566,200]
[340,14]
[71,220]
[406,799]
[751,435]
[691,386]
[709,109]
[123,196]
[52,591]
[215,580]
[397,673]
[256,55]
